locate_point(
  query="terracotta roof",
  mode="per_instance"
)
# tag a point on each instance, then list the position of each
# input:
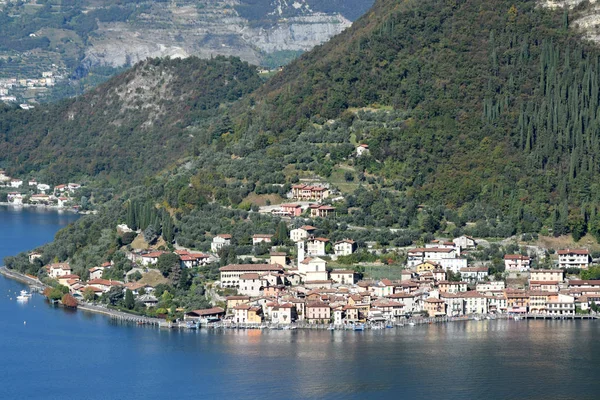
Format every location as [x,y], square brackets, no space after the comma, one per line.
[431,250]
[317,304]
[262,236]
[237,298]
[308,228]
[249,276]
[104,282]
[584,282]
[546,271]
[252,267]
[224,236]
[543,282]
[582,252]
[208,311]
[516,257]
[431,300]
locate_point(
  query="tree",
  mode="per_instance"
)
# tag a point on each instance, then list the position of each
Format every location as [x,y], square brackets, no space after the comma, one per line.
[129,300]
[88,294]
[136,276]
[281,234]
[166,262]
[578,228]
[150,234]
[69,301]
[114,295]
[55,294]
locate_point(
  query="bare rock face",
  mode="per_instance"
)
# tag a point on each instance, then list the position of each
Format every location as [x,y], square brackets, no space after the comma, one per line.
[586,17]
[215,28]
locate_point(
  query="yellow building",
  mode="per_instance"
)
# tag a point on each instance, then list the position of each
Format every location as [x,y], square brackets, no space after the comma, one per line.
[427,266]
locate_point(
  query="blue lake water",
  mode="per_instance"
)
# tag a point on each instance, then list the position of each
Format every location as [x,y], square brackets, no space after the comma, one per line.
[62,354]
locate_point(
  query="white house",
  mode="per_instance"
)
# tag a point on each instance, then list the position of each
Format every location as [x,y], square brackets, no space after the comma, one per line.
[343,276]
[151,258]
[316,246]
[219,242]
[516,263]
[16,183]
[465,242]
[474,274]
[302,233]
[445,257]
[574,258]
[59,269]
[313,269]
[251,284]
[32,182]
[42,187]
[261,238]
[15,198]
[362,149]
[344,247]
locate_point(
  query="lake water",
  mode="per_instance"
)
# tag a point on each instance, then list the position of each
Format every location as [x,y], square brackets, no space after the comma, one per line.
[63,354]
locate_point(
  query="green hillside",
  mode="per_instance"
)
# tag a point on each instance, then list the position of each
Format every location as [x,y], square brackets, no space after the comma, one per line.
[130,127]
[481,118]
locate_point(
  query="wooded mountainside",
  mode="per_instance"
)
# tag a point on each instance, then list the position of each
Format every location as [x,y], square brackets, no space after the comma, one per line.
[484,112]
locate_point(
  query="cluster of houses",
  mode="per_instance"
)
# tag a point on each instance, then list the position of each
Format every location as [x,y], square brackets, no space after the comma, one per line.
[567,258]
[273,293]
[10,87]
[34,192]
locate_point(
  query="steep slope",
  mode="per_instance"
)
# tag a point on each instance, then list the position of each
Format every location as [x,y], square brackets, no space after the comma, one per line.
[476,81]
[130,127]
[82,42]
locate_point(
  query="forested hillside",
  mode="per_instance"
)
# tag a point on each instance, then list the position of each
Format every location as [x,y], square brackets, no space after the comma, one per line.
[139,122]
[481,118]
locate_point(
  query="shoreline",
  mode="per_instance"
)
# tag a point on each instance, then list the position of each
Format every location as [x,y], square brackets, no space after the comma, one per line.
[39,206]
[155,322]
[115,314]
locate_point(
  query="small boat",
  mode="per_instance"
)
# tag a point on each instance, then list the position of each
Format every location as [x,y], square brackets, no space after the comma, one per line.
[331,328]
[475,318]
[359,327]
[400,324]
[411,324]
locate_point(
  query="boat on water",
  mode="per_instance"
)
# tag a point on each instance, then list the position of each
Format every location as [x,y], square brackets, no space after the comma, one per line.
[411,324]
[359,327]
[331,328]
[475,318]
[24,296]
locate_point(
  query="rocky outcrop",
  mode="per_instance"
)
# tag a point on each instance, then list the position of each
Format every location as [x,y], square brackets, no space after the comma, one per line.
[177,30]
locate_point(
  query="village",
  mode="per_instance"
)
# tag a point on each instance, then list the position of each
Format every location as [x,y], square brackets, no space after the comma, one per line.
[305,291]
[33,193]
[14,89]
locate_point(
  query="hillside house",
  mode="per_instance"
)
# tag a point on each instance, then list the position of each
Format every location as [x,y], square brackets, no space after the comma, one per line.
[516,263]
[343,276]
[290,210]
[344,247]
[317,211]
[16,183]
[261,238]
[474,274]
[317,246]
[302,233]
[465,242]
[574,258]
[452,287]
[313,269]
[219,242]
[59,269]
[362,149]
[247,314]
[308,192]
[547,275]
